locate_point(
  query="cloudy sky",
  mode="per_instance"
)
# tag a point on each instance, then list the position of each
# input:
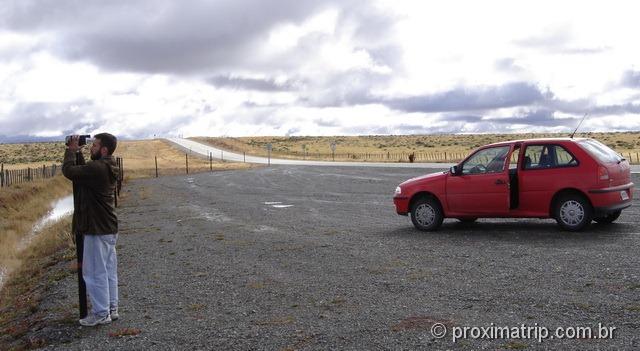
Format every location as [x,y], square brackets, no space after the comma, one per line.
[309,67]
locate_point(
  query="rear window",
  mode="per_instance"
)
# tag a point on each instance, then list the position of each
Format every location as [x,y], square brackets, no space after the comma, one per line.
[600,151]
[547,156]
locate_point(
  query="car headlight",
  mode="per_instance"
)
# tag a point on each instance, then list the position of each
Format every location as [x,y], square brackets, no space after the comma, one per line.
[398,190]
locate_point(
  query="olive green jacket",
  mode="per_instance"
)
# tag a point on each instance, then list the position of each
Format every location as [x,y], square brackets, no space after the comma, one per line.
[94,189]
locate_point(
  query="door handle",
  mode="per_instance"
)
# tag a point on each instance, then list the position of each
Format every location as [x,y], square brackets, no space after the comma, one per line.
[500,182]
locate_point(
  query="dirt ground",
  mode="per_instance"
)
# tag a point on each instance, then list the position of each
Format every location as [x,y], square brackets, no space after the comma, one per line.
[316,258]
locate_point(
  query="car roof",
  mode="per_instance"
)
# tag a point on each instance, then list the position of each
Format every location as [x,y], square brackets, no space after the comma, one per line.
[529,141]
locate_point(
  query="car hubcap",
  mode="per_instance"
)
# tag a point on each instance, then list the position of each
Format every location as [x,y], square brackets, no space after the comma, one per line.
[425,215]
[571,212]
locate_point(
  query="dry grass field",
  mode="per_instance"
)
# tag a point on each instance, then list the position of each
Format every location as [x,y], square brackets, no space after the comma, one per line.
[346,146]
[27,285]
[139,158]
[20,207]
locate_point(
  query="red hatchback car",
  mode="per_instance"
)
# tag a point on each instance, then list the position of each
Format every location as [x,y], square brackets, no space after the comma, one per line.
[573,181]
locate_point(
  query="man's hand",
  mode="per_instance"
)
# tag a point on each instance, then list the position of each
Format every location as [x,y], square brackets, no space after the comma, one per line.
[73,144]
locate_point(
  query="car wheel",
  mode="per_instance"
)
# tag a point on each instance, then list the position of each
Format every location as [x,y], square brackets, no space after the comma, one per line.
[608,218]
[573,212]
[426,214]
[468,220]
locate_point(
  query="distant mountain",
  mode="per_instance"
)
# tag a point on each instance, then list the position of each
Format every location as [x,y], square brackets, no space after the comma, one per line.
[15,139]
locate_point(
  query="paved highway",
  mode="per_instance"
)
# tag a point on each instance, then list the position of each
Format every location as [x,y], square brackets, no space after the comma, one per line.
[206,150]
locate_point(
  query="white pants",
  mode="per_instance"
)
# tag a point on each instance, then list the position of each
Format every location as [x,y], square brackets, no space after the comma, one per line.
[100,272]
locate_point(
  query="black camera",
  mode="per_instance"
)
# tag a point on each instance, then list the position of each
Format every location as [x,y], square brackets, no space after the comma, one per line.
[82,139]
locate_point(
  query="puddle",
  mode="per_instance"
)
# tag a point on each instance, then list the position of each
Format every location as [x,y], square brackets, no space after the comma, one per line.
[59,209]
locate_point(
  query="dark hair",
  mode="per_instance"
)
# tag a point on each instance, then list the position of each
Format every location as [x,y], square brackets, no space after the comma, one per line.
[107,140]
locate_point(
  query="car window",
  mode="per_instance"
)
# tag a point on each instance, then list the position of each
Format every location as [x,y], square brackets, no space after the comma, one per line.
[547,156]
[564,158]
[600,151]
[489,160]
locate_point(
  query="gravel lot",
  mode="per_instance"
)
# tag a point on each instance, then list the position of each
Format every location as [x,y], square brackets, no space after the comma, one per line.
[316,258]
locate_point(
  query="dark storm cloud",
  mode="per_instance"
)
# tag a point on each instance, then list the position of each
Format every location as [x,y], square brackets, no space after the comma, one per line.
[631,79]
[534,118]
[451,117]
[466,99]
[268,84]
[38,117]
[161,36]
[630,108]
[349,88]
[155,36]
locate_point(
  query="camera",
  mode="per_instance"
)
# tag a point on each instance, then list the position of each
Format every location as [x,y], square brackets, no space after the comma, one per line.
[82,139]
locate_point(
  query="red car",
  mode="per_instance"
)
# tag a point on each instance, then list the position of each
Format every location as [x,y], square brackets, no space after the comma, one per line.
[573,181]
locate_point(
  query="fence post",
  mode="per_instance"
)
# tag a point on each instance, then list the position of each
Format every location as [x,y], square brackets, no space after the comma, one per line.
[186,160]
[121,175]
[156,158]
[1,175]
[210,161]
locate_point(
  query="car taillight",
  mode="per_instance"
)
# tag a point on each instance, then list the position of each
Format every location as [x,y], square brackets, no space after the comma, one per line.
[603,173]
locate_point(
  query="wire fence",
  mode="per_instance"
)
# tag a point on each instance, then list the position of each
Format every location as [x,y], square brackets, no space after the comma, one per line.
[376,156]
[9,177]
[444,156]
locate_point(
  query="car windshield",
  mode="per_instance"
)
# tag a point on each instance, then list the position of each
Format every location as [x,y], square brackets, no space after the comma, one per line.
[489,160]
[600,151]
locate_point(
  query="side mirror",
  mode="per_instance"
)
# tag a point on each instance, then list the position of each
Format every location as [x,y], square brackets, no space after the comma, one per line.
[454,170]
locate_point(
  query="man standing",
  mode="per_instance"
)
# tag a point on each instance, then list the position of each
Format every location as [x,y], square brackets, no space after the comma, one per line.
[94,217]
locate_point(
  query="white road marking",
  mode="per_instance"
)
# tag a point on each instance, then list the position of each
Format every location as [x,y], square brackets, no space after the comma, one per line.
[281,206]
[272,202]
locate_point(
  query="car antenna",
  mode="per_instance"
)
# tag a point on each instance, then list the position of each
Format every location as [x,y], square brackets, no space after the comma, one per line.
[579,124]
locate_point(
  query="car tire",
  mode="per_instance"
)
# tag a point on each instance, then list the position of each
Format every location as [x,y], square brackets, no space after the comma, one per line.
[426,214]
[467,220]
[573,212]
[608,219]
